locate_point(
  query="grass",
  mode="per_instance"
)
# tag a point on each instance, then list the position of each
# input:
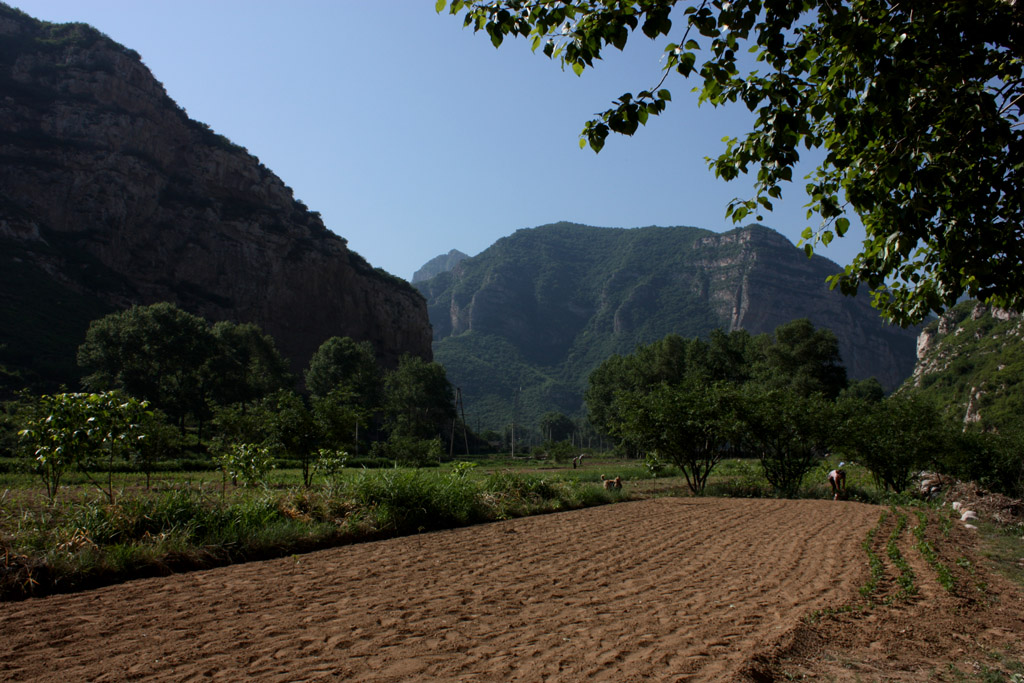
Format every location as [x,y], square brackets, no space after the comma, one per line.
[1003,546]
[84,540]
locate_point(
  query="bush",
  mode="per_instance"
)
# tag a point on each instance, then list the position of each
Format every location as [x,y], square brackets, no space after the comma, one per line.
[559,451]
[249,462]
[995,461]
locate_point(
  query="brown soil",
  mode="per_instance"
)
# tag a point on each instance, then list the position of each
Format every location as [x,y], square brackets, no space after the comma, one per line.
[659,590]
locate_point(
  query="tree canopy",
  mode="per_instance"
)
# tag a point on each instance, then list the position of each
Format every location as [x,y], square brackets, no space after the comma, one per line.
[342,362]
[916,107]
[797,358]
[156,353]
[178,362]
[418,398]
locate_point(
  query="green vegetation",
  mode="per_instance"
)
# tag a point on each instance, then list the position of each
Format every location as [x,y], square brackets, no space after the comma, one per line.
[692,429]
[223,388]
[1001,545]
[522,325]
[81,541]
[784,400]
[874,561]
[946,578]
[974,358]
[693,402]
[905,578]
[916,109]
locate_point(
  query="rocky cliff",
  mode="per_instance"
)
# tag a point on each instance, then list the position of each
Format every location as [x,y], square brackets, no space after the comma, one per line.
[759,280]
[110,195]
[534,313]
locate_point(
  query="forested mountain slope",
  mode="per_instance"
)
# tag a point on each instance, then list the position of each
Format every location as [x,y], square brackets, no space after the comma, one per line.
[521,325]
[971,362]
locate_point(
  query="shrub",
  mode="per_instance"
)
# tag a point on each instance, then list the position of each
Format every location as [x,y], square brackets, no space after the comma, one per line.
[249,462]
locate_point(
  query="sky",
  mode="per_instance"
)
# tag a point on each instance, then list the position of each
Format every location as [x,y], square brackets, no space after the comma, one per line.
[413,136]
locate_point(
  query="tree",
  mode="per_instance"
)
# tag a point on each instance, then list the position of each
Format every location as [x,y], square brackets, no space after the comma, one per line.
[56,433]
[418,399]
[895,438]
[916,107]
[291,431]
[84,431]
[692,426]
[556,426]
[995,460]
[346,385]
[343,362]
[116,426]
[155,353]
[869,390]
[338,417]
[247,365]
[788,432]
[667,360]
[803,360]
[280,422]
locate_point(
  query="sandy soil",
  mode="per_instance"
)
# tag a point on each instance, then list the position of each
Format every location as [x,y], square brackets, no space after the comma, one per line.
[659,590]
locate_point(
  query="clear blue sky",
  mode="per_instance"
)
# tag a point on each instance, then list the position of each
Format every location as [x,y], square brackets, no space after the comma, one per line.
[413,136]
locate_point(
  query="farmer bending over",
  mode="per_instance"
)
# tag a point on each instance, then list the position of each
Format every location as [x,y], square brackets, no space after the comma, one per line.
[837,478]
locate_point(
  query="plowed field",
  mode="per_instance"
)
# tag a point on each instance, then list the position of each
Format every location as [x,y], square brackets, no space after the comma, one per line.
[658,590]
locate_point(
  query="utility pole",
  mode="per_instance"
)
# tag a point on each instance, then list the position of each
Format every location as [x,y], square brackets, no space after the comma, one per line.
[459,408]
[515,413]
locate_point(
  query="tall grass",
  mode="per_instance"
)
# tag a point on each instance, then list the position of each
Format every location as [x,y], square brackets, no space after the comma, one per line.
[407,500]
[89,541]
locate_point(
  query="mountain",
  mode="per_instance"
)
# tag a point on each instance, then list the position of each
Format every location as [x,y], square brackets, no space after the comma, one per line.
[971,360]
[438,264]
[110,195]
[520,326]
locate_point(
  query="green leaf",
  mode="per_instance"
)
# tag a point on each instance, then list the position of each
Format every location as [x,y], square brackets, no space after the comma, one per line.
[577,68]
[440,5]
[686,62]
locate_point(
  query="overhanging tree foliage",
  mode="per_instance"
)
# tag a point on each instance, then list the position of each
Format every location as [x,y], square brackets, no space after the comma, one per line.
[916,106]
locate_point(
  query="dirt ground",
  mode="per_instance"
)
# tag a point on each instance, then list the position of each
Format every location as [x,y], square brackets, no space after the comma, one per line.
[671,589]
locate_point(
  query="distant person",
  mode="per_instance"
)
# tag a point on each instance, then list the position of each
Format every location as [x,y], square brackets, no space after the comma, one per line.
[837,478]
